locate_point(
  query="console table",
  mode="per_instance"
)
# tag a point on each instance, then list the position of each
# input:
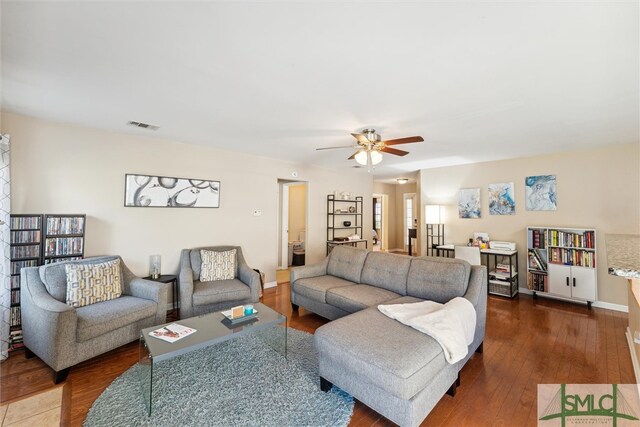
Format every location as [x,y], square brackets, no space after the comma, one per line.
[498,283]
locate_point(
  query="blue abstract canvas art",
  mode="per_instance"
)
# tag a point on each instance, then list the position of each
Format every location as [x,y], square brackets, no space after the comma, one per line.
[540,193]
[501,199]
[469,203]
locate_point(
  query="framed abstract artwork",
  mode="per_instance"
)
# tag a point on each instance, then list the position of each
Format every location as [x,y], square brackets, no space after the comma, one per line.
[540,193]
[169,192]
[501,199]
[469,203]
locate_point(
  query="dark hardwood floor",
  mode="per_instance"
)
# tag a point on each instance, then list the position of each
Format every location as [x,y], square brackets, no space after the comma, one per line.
[528,342]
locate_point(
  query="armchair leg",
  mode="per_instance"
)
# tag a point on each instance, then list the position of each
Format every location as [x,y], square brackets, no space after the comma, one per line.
[294,307]
[60,376]
[325,385]
[28,354]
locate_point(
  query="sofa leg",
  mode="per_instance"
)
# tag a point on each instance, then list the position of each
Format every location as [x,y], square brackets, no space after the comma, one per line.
[452,390]
[325,385]
[28,354]
[294,307]
[458,380]
[480,348]
[60,376]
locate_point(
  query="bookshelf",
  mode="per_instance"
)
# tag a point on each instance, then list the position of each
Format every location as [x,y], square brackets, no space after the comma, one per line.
[561,262]
[25,251]
[63,238]
[339,211]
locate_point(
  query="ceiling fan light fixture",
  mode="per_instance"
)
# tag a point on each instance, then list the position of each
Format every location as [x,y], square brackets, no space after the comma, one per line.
[361,157]
[376,157]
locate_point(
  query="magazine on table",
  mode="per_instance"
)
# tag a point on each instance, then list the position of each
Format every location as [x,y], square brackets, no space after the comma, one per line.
[172,332]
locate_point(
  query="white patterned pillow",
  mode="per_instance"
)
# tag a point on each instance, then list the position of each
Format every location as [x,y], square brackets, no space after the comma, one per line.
[91,283]
[217,265]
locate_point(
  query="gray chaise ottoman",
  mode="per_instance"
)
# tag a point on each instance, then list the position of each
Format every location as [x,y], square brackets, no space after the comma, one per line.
[398,371]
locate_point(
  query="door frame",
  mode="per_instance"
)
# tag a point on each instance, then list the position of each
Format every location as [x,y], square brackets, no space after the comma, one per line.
[405,233]
[283,220]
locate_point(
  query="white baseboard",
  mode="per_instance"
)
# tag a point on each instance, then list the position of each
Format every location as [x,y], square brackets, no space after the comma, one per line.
[597,304]
[270,284]
[634,356]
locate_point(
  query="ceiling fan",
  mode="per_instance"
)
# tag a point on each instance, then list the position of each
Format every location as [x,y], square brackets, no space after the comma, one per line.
[370,147]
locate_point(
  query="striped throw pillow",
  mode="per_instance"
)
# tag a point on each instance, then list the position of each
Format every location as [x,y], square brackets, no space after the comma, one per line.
[217,265]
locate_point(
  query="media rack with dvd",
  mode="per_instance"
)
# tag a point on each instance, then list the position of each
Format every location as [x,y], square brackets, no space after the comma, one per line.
[64,237]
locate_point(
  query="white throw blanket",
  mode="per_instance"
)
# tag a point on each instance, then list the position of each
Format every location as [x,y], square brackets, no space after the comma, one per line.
[452,324]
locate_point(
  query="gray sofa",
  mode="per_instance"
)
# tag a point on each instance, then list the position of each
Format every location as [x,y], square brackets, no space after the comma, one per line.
[63,336]
[394,369]
[198,297]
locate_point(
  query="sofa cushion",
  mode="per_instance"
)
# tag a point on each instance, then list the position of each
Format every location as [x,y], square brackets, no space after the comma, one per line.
[357,297]
[381,351]
[217,265]
[54,276]
[438,279]
[219,291]
[98,319]
[388,271]
[346,263]
[316,288]
[93,283]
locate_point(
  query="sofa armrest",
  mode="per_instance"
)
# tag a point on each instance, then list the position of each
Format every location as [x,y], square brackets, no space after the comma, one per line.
[154,291]
[306,271]
[49,326]
[185,282]
[251,278]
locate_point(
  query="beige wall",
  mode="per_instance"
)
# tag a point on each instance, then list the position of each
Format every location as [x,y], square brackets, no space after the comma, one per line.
[596,188]
[297,210]
[58,168]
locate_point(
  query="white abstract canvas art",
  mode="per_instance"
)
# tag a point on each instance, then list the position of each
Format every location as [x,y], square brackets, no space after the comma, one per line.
[540,193]
[161,191]
[469,203]
[501,199]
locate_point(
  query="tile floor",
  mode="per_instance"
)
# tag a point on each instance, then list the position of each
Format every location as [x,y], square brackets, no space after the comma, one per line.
[42,410]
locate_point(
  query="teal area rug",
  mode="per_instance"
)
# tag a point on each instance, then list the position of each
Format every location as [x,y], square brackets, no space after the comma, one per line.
[241,382]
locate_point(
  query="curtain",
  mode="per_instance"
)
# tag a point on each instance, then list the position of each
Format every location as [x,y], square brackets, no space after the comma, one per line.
[5,240]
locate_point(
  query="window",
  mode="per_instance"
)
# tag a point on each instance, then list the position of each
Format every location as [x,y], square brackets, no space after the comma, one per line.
[377,216]
[408,209]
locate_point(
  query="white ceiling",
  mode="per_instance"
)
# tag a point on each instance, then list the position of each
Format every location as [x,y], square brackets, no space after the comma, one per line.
[479,81]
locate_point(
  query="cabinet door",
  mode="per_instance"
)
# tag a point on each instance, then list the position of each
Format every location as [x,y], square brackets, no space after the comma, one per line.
[560,280]
[583,283]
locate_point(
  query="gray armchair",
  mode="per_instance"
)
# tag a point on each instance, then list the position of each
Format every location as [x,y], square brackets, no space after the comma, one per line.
[198,297]
[63,336]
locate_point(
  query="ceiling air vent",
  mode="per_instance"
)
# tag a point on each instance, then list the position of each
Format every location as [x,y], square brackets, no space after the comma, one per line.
[143,125]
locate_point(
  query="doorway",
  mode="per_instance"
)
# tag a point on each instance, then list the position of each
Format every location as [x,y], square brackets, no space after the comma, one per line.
[292,226]
[409,215]
[380,222]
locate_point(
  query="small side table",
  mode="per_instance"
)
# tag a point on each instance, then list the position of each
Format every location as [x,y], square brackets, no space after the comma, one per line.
[170,278]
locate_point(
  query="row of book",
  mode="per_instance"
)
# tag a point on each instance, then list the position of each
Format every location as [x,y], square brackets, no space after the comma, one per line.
[15,297]
[63,246]
[537,238]
[15,282]
[16,266]
[536,260]
[14,318]
[32,251]
[572,240]
[572,257]
[537,282]
[69,258]
[25,222]
[15,339]
[65,225]
[25,236]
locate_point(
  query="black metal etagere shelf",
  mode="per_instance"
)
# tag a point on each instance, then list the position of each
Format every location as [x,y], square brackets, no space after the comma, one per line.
[344,208]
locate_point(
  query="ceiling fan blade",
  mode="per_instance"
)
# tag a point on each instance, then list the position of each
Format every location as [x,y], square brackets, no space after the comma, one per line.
[361,138]
[353,156]
[394,151]
[407,140]
[334,148]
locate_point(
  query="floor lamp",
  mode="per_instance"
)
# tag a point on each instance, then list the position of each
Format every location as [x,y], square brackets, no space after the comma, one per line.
[434,217]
